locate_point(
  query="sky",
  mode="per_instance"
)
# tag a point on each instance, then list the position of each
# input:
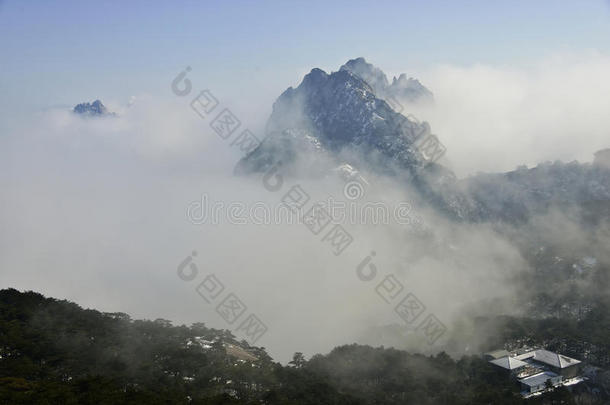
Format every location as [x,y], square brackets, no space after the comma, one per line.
[63,52]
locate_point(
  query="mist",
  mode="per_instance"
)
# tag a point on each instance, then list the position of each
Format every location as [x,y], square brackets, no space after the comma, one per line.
[495,118]
[94,210]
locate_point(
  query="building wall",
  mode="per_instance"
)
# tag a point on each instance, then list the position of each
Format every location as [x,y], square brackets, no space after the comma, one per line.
[536,388]
[570,372]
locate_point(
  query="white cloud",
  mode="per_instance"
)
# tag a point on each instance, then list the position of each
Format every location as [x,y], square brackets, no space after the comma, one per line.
[496,118]
[94,210]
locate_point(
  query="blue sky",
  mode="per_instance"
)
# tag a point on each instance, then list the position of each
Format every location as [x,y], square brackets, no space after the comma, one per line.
[67,51]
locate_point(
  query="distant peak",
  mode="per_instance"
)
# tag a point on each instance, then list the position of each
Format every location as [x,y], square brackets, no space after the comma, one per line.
[96,108]
[402,79]
[314,77]
[367,72]
[354,62]
[402,87]
[317,72]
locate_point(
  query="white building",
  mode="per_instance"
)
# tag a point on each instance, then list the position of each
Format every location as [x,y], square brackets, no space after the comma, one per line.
[538,382]
[534,368]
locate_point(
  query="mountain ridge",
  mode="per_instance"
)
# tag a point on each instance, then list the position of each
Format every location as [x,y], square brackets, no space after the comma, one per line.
[338,113]
[331,120]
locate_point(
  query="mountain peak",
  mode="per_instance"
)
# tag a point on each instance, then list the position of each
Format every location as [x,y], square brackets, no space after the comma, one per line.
[402,88]
[314,78]
[96,108]
[318,72]
[369,73]
[329,114]
[402,80]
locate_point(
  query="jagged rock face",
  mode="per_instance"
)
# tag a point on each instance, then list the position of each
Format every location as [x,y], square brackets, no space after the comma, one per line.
[337,115]
[294,149]
[337,120]
[369,73]
[402,88]
[516,196]
[409,89]
[92,109]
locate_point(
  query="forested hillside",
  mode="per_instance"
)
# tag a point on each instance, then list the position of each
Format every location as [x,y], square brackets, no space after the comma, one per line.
[55,352]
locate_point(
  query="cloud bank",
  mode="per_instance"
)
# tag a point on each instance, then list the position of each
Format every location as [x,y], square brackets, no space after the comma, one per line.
[94,210]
